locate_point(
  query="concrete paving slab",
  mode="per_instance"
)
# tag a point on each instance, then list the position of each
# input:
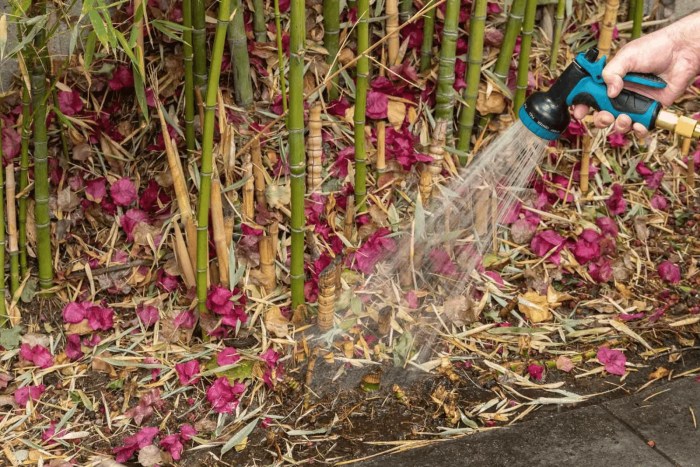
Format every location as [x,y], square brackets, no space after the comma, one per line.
[589,437]
[666,419]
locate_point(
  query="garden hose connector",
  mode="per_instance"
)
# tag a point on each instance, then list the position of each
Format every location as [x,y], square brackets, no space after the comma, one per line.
[679,124]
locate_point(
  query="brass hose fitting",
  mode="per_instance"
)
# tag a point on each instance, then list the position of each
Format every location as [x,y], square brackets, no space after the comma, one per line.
[679,124]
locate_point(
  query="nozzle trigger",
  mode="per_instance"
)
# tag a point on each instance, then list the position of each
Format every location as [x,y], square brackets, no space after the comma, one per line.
[645,79]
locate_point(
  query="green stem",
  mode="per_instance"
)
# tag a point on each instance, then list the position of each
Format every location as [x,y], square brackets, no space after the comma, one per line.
[638,9]
[41,166]
[405,10]
[199,42]
[238,44]
[475,57]
[3,312]
[505,56]
[24,177]
[556,38]
[259,25]
[524,59]
[631,10]
[190,104]
[297,152]
[445,97]
[207,150]
[280,55]
[426,50]
[331,35]
[361,85]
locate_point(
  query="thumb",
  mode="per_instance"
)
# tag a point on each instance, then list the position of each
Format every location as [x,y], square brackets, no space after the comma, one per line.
[614,71]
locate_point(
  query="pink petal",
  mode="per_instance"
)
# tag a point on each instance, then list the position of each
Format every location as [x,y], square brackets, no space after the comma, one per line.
[22,395]
[123,192]
[227,356]
[188,372]
[73,350]
[659,202]
[607,226]
[536,371]
[148,315]
[73,313]
[377,105]
[95,190]
[669,272]
[187,431]
[614,360]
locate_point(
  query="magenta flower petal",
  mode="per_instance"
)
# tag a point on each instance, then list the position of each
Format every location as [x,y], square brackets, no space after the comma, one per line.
[222,396]
[188,372]
[227,356]
[536,371]
[148,315]
[36,354]
[377,105]
[187,431]
[100,318]
[616,203]
[659,201]
[123,192]
[73,313]
[96,190]
[669,272]
[607,226]
[23,395]
[173,445]
[614,360]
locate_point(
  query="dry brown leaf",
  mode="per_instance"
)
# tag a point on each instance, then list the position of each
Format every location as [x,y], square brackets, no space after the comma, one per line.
[150,456]
[659,373]
[278,195]
[396,113]
[276,323]
[490,103]
[534,306]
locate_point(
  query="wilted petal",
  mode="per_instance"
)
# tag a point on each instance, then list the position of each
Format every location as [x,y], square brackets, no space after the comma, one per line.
[669,272]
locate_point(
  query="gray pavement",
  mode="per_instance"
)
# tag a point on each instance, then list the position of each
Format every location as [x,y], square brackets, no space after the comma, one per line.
[656,427]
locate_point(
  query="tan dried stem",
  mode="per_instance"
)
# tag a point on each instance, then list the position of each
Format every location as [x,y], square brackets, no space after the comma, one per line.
[314,151]
[258,172]
[219,229]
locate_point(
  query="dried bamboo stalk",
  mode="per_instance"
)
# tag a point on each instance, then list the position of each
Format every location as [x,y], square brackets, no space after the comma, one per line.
[607,27]
[267,263]
[229,223]
[11,212]
[326,297]
[392,27]
[425,185]
[248,190]
[690,174]
[314,151]
[437,145]
[258,172]
[381,146]
[349,218]
[217,221]
[183,258]
[274,231]
[585,162]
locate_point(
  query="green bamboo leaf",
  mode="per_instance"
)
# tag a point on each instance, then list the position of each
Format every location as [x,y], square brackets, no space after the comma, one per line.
[172,30]
[140,90]
[89,51]
[99,28]
[239,437]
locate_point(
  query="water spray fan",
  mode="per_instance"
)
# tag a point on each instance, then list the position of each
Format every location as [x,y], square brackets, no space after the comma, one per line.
[546,113]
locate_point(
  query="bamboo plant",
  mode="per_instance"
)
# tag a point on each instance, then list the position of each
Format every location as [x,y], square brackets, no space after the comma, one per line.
[475,56]
[190,137]
[207,153]
[12,245]
[3,311]
[405,10]
[607,26]
[505,55]
[238,45]
[426,50]
[41,162]
[556,35]
[331,35]
[199,42]
[524,59]
[361,85]
[445,97]
[259,25]
[637,8]
[295,126]
[280,55]
[392,29]
[24,176]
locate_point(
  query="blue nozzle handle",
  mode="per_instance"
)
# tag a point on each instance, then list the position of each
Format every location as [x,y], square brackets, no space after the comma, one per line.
[591,90]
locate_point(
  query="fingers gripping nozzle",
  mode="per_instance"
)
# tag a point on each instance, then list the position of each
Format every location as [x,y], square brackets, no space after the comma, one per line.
[547,113]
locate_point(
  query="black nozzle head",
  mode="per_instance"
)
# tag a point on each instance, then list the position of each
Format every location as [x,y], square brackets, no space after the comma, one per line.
[544,116]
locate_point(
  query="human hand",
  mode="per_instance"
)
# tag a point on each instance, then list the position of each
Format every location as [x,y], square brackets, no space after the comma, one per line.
[673,53]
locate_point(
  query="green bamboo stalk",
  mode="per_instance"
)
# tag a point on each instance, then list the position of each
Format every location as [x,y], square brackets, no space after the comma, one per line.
[238,45]
[199,42]
[505,56]
[475,57]
[280,55]
[259,25]
[41,166]
[297,152]
[361,85]
[405,10]
[638,10]
[426,50]
[632,7]
[207,150]
[445,97]
[556,38]
[190,105]
[3,313]
[331,36]
[524,59]
[24,176]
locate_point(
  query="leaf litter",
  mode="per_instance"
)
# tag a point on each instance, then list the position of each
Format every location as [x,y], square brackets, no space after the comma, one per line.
[584,294]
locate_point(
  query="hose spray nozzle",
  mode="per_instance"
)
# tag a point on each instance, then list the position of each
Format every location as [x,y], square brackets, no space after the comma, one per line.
[547,113]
